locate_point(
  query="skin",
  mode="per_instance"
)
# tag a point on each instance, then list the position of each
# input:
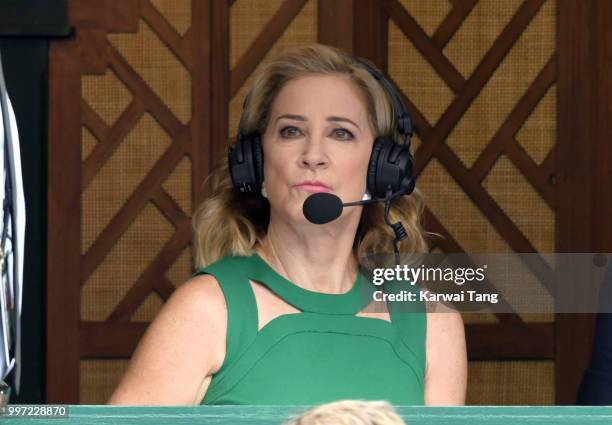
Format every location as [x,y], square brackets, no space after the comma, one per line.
[318,130]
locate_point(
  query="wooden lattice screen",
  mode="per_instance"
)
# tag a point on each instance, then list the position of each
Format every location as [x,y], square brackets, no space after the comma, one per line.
[146,96]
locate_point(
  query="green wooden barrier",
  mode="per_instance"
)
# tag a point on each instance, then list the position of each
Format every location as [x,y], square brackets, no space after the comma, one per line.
[260,415]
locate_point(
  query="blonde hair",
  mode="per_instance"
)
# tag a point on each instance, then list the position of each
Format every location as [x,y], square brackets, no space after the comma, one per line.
[349,412]
[228,223]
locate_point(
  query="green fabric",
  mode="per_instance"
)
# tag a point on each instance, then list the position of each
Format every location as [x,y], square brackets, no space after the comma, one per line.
[322,354]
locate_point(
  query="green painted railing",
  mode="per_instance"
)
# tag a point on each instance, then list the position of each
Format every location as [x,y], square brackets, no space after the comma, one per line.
[259,415]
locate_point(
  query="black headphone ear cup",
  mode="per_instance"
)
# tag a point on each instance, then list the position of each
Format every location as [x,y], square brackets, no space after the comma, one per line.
[258,161]
[373,165]
[377,178]
[401,159]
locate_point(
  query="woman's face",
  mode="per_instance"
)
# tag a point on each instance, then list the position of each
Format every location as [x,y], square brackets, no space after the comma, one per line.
[318,138]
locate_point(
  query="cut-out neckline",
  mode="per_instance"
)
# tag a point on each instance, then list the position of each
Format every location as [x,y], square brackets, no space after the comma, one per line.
[350,302]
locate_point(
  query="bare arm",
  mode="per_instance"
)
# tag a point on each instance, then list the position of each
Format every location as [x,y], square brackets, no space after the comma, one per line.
[180,350]
[446,370]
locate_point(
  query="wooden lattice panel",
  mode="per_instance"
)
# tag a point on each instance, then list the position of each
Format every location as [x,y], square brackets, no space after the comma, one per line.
[137,172]
[478,76]
[160,98]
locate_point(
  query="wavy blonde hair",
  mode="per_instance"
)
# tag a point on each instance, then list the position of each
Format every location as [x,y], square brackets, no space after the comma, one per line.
[228,223]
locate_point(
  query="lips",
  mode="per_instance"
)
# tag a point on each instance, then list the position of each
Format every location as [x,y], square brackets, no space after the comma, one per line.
[312,186]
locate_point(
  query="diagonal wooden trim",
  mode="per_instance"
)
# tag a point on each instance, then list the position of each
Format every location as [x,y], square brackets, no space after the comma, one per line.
[95,124]
[168,206]
[516,119]
[548,165]
[110,340]
[166,32]
[450,245]
[164,287]
[452,22]
[430,52]
[477,80]
[494,214]
[487,341]
[531,172]
[186,48]
[141,89]
[421,126]
[264,41]
[105,148]
[128,212]
[158,267]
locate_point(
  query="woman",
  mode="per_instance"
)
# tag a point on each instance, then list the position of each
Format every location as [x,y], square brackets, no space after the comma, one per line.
[275,315]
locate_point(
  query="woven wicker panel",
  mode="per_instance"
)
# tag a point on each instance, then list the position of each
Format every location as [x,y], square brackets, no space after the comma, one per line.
[538,135]
[247,19]
[126,261]
[106,94]
[158,66]
[89,142]
[176,12]
[511,383]
[302,30]
[522,204]
[477,33]
[99,378]
[501,93]
[182,268]
[415,77]
[149,308]
[449,203]
[120,175]
[428,14]
[178,185]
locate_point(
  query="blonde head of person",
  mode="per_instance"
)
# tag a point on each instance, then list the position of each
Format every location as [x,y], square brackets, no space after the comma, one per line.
[349,412]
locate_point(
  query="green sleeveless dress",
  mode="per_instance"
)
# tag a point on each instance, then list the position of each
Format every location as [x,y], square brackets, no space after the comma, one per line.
[323,354]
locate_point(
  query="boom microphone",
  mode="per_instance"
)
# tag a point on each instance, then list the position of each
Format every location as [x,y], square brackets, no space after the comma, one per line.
[323,207]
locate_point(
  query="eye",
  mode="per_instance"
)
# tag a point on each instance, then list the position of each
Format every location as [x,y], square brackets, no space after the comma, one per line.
[342,134]
[289,132]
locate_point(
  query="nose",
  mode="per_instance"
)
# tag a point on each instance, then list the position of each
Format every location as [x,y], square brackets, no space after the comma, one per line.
[314,155]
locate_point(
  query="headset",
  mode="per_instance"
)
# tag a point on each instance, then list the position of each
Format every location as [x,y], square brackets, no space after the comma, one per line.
[389,169]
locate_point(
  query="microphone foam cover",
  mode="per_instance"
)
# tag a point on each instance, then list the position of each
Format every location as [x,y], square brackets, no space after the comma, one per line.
[322,207]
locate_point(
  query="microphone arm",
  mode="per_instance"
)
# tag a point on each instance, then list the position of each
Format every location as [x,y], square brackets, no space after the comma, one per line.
[398,228]
[388,197]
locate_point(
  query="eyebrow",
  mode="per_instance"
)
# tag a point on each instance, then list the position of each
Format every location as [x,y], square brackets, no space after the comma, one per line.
[303,118]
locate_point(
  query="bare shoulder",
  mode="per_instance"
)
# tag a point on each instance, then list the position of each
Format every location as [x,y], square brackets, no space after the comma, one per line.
[180,350]
[446,357]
